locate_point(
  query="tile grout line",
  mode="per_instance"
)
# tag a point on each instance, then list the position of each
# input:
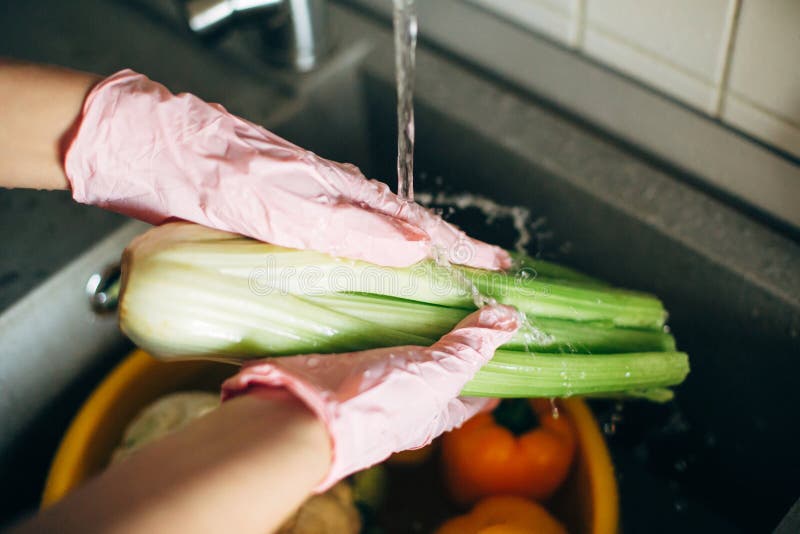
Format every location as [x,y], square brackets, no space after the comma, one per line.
[506,16]
[502,13]
[727,59]
[641,50]
[580,25]
[553,9]
[763,109]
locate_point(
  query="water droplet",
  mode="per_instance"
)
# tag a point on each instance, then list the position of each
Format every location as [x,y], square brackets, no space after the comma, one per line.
[554,408]
[313,361]
[627,374]
[681,465]
[615,417]
[681,505]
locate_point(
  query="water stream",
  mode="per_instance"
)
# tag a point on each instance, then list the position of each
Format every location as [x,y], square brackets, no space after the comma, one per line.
[405,44]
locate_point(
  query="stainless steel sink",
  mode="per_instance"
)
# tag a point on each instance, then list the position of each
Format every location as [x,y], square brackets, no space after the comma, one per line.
[721,457]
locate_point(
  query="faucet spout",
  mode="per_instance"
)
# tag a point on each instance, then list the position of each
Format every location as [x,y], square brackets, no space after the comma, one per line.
[294,31]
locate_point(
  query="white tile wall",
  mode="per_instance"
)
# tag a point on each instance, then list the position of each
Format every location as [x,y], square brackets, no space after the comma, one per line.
[677,46]
[637,62]
[558,19]
[686,33]
[763,96]
[769,127]
[734,59]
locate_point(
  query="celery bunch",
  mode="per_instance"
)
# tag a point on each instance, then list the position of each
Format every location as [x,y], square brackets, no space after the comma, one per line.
[192,292]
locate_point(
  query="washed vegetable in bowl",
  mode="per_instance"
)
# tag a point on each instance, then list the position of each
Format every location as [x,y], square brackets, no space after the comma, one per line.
[354,505]
[189,292]
[397,496]
[332,512]
[504,514]
[523,448]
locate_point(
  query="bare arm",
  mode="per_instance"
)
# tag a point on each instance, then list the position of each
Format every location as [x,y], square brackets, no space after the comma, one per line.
[242,468]
[40,105]
[245,467]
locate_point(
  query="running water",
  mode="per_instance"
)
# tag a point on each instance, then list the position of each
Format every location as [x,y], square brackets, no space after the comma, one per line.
[405,44]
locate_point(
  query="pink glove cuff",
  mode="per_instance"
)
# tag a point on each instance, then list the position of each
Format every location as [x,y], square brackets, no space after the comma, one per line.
[378,402]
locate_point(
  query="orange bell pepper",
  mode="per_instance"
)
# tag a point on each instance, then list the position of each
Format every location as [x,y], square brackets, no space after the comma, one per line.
[506,453]
[504,515]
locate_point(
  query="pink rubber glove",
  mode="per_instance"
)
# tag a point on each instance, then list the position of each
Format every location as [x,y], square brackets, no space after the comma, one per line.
[144,152]
[378,402]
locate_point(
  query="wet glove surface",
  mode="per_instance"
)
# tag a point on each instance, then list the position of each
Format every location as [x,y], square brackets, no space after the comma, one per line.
[377,402]
[144,152]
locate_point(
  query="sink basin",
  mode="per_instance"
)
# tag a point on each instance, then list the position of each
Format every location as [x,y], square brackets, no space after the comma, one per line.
[587,502]
[717,458]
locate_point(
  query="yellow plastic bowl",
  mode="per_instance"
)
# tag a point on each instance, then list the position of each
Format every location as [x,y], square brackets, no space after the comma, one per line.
[587,503]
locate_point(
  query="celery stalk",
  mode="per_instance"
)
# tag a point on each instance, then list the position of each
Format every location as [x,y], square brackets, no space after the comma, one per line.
[519,374]
[543,334]
[190,292]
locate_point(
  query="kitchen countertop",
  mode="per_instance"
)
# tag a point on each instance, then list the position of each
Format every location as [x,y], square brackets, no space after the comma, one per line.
[42,232]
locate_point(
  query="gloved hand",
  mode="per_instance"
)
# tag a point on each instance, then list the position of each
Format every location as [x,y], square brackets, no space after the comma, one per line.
[144,152]
[381,401]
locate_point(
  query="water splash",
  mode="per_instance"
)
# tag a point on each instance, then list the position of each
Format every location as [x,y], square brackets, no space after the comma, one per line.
[491,210]
[520,217]
[532,335]
[441,258]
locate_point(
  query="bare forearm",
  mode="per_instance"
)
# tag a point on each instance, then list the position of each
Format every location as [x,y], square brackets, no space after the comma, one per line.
[243,468]
[40,105]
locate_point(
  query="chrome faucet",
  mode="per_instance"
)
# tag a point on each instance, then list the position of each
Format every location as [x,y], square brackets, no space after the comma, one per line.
[294,31]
